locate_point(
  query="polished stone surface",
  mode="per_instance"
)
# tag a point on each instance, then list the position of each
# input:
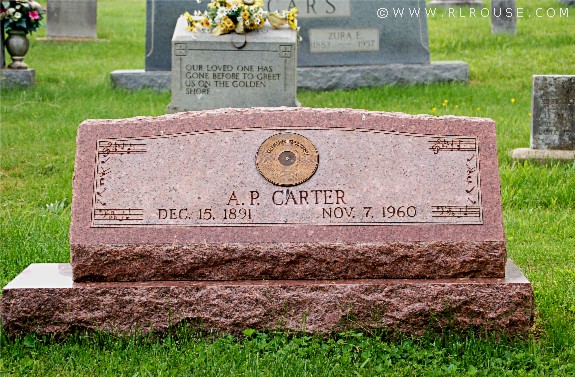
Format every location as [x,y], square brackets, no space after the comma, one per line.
[180,197]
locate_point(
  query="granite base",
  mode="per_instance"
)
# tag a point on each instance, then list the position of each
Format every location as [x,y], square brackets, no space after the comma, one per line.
[323,78]
[137,79]
[11,78]
[542,155]
[350,77]
[45,300]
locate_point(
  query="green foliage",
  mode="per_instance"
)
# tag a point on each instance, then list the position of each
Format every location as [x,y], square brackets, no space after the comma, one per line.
[37,138]
[186,352]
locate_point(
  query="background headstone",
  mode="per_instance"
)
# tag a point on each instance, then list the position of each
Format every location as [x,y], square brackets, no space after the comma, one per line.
[367,48]
[553,119]
[212,72]
[161,18]
[503,17]
[456,3]
[71,19]
[364,32]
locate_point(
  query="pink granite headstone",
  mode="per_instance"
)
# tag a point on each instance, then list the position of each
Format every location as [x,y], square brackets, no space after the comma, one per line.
[189,214]
[181,198]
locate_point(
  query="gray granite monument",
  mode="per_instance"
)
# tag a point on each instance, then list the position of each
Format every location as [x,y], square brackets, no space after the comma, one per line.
[503,17]
[212,72]
[553,119]
[346,44]
[71,19]
[456,3]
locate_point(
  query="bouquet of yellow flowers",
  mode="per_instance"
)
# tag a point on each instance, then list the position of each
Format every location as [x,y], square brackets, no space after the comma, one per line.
[225,16]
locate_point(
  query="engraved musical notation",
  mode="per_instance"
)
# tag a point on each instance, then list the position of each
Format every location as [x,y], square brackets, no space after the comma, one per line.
[107,147]
[118,214]
[453,144]
[456,211]
[153,181]
[472,179]
[107,151]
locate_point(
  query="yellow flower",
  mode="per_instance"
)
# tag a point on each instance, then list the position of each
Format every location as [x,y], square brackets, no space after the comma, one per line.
[479,108]
[513,100]
[191,23]
[292,18]
[227,24]
[433,109]
[457,106]
[445,101]
[206,22]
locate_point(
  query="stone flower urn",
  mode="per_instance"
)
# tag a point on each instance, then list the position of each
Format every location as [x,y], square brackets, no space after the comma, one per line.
[17,45]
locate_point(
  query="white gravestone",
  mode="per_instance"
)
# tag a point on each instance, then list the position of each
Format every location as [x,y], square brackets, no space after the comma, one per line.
[257,69]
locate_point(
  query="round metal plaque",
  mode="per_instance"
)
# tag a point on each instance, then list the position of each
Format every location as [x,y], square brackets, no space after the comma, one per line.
[287,159]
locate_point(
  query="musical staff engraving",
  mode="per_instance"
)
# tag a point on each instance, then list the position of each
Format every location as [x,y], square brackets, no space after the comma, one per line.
[456,211]
[453,144]
[107,147]
[108,154]
[118,214]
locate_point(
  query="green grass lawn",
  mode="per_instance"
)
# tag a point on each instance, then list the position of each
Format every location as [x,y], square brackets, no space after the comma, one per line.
[38,130]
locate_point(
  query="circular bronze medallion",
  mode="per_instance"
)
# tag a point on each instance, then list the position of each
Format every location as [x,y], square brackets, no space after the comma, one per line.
[287,159]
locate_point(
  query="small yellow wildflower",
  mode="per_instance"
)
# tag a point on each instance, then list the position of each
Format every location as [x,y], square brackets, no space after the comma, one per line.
[513,100]
[292,18]
[457,106]
[433,109]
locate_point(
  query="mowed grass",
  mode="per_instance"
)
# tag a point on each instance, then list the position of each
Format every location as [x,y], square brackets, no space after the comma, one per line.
[37,134]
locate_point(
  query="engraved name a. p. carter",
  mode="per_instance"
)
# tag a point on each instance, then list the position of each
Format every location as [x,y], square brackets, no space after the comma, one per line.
[287,159]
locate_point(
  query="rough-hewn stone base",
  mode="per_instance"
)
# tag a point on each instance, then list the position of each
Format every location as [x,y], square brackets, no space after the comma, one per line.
[11,78]
[44,299]
[324,78]
[274,261]
[542,155]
